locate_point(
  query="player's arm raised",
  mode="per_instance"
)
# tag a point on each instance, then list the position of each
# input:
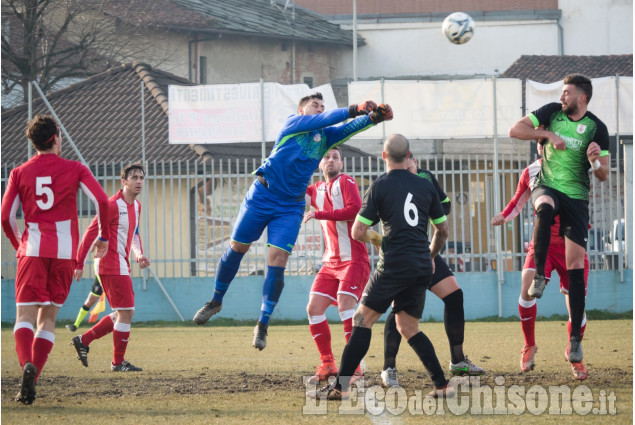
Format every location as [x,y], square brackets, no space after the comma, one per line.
[526,129]
[517,203]
[599,164]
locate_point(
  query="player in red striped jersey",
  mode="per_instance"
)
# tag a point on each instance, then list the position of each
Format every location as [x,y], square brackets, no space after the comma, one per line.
[46,187]
[346,267]
[114,269]
[527,308]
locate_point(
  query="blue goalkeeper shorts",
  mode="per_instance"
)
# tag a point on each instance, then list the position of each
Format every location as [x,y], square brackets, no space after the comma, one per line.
[260,209]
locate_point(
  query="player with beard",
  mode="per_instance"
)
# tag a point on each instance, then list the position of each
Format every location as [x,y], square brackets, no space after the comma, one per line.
[404,204]
[577,141]
[276,199]
[346,267]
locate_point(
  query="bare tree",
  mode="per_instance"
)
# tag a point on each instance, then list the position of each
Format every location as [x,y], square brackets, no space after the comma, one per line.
[57,41]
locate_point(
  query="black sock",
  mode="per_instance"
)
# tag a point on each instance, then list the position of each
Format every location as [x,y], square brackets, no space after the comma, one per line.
[392,339]
[542,236]
[354,351]
[576,300]
[454,321]
[425,350]
[85,307]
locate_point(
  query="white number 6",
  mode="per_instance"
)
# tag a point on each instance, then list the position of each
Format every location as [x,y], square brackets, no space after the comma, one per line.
[41,190]
[410,209]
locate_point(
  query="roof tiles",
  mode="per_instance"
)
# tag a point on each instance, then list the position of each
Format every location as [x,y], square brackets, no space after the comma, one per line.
[102,114]
[549,69]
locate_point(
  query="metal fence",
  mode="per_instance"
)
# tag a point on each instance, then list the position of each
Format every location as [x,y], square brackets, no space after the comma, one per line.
[189,209]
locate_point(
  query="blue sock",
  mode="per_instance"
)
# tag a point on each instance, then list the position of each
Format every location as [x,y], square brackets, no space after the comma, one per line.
[271,290]
[227,268]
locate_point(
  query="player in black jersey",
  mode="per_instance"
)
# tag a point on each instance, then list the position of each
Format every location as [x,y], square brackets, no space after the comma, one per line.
[404,203]
[446,288]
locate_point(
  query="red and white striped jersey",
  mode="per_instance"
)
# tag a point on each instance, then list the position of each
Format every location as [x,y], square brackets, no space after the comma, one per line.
[46,186]
[123,221]
[337,204]
[522,195]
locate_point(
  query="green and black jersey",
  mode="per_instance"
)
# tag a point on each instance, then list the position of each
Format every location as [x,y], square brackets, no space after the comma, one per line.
[403,203]
[445,201]
[568,170]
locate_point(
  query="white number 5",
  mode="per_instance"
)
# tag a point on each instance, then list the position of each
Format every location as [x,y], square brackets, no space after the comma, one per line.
[410,209]
[42,190]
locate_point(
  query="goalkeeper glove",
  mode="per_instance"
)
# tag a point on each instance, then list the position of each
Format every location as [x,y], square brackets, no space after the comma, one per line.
[362,109]
[383,113]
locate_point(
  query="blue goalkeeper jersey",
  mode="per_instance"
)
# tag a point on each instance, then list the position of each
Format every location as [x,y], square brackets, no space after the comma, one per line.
[301,144]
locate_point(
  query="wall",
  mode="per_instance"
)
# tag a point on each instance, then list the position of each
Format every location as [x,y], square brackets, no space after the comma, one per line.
[592,27]
[412,49]
[243,300]
[402,49]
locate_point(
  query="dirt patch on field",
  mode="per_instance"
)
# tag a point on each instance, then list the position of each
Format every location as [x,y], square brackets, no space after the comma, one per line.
[208,383]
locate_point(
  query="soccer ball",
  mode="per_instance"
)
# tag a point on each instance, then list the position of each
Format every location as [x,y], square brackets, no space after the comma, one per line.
[458,27]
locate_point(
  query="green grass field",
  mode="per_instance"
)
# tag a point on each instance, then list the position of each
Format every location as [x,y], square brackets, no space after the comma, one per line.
[211,374]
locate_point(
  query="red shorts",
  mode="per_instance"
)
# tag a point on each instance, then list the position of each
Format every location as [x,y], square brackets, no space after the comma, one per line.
[43,281]
[119,291]
[348,278]
[556,261]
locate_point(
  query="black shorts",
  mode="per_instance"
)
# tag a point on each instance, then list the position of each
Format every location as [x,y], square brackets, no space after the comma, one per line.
[409,295]
[574,214]
[97,289]
[441,271]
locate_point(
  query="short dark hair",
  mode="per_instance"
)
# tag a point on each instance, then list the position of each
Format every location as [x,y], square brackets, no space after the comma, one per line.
[125,173]
[581,82]
[307,99]
[41,131]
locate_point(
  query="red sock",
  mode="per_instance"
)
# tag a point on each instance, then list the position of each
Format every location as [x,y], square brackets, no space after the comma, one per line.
[321,334]
[41,350]
[101,329]
[24,344]
[528,323]
[348,328]
[582,328]
[120,342]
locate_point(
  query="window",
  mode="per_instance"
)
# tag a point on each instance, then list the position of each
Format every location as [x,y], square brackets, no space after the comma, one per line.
[308,81]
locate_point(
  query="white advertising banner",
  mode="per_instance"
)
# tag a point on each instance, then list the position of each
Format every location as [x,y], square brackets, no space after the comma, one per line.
[443,109]
[232,113]
[603,103]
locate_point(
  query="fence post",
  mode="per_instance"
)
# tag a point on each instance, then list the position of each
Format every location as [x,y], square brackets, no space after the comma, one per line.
[52,111]
[497,203]
[28,144]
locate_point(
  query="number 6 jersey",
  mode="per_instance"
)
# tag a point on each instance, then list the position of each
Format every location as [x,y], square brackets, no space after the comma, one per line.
[46,187]
[404,203]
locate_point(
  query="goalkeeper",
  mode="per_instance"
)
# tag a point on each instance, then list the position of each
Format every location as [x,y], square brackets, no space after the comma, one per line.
[276,199]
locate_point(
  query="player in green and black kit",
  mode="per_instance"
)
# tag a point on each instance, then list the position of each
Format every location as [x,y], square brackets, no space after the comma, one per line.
[575,139]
